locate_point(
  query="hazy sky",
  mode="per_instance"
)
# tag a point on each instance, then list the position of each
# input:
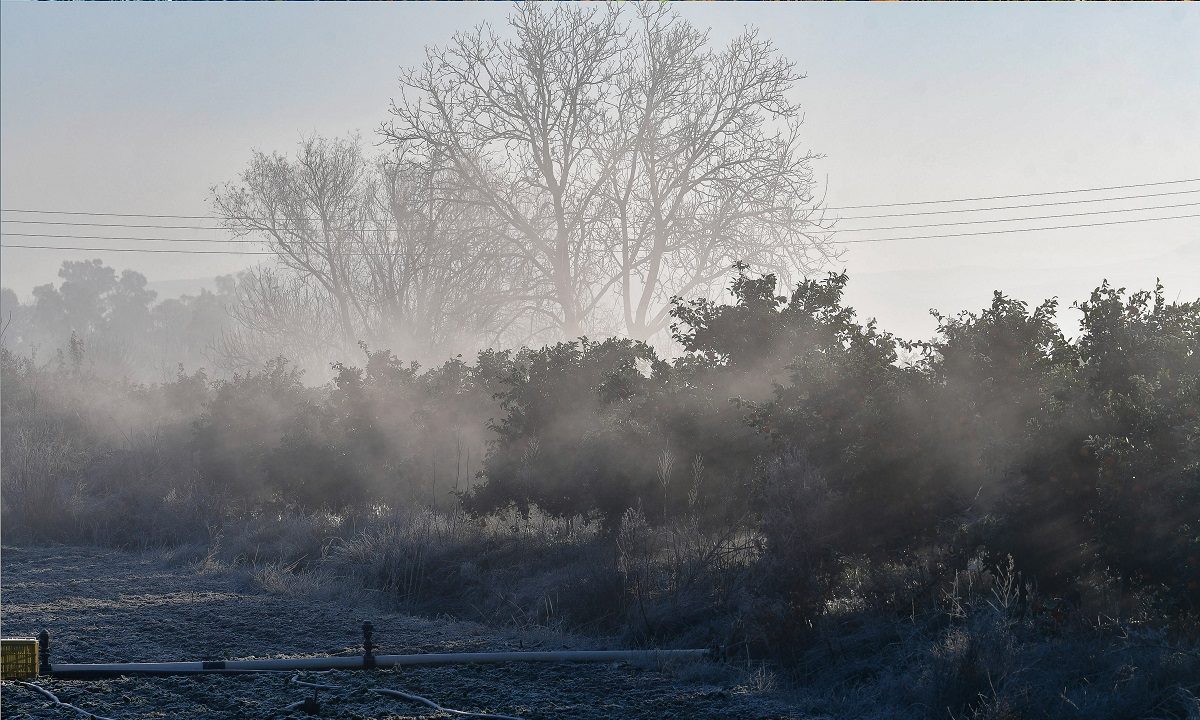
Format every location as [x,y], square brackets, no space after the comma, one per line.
[140,108]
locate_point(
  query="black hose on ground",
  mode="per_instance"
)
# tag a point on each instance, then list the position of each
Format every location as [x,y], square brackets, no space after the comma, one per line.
[54,698]
[318,686]
[439,708]
[311,704]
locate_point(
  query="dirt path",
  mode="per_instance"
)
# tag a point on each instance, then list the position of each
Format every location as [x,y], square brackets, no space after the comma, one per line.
[106,606]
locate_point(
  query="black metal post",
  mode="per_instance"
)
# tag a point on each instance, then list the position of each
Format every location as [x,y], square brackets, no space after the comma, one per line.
[43,639]
[368,646]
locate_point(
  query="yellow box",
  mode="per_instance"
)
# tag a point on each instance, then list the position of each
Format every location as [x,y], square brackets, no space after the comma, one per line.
[18,658]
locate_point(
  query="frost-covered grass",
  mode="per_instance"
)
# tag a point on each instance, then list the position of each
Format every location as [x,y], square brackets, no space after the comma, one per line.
[103,605]
[979,650]
[975,648]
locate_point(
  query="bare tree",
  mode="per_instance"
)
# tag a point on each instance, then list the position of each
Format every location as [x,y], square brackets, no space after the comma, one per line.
[378,251]
[313,212]
[525,125]
[623,161]
[276,313]
[443,276]
[715,172]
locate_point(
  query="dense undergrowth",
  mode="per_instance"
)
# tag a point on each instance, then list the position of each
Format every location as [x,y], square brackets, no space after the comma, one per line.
[1000,522]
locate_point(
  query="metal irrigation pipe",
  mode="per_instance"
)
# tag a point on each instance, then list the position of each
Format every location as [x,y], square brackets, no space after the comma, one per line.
[346,663]
[367,660]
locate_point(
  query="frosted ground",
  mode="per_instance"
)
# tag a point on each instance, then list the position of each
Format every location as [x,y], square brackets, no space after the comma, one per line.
[109,606]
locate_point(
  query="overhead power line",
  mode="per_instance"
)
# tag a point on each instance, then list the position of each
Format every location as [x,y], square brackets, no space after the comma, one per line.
[1019,219]
[1017,195]
[834,242]
[1013,230]
[138,250]
[131,237]
[116,214]
[848,230]
[27,211]
[118,225]
[1015,207]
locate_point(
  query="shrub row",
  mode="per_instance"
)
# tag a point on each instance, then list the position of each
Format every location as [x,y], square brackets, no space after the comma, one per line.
[788,435]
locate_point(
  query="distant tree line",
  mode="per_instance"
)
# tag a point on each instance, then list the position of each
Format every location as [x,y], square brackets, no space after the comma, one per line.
[114,323]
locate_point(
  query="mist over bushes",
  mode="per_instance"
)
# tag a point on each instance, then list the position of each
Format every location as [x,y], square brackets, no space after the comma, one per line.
[794,464]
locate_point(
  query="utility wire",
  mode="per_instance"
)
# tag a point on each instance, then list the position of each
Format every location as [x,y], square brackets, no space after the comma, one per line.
[119,225]
[1012,230]
[1014,207]
[148,239]
[854,217]
[832,242]
[139,250]
[1018,195]
[848,230]
[1019,219]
